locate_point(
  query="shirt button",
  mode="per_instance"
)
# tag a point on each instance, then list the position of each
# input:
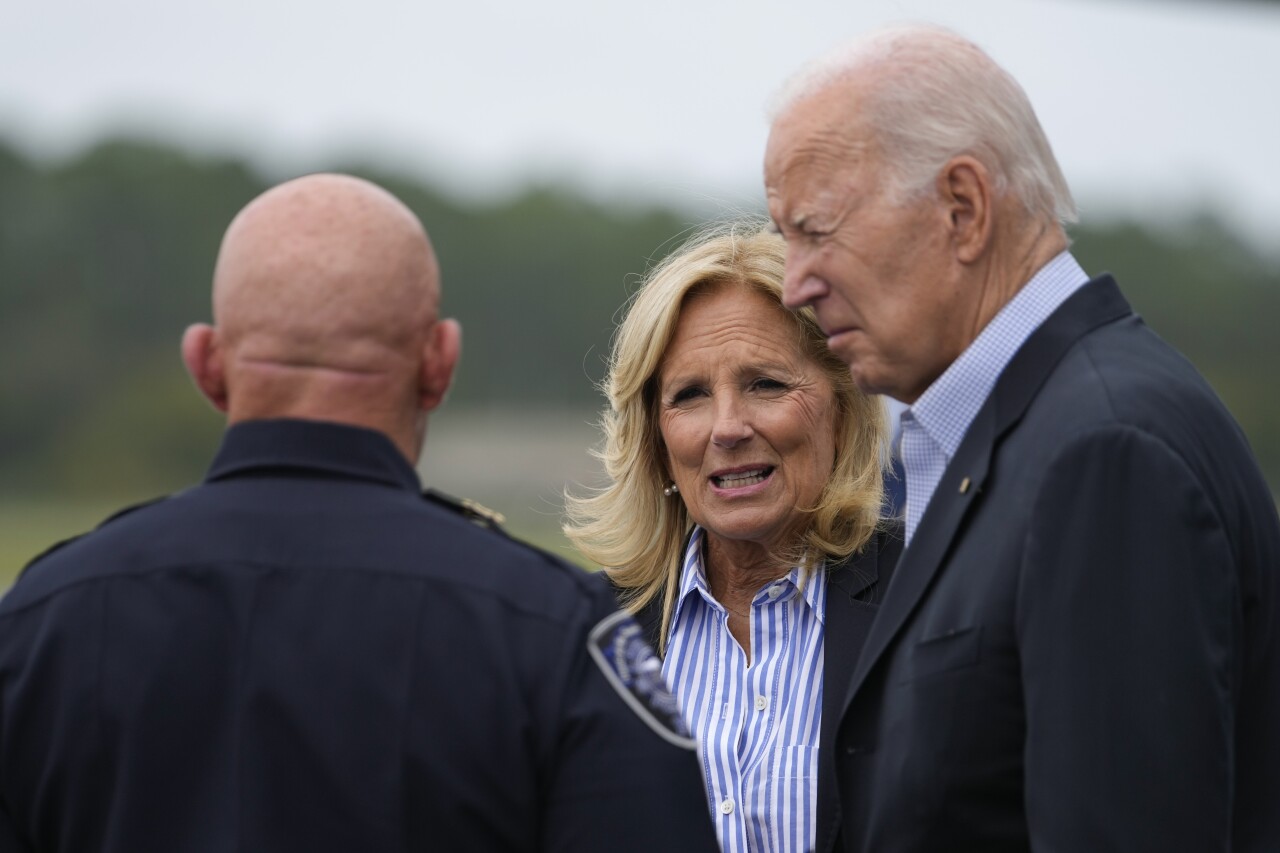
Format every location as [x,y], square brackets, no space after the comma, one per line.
[774,591]
[726,805]
[761,703]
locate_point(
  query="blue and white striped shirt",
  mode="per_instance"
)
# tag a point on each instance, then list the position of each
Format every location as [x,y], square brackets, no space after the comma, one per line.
[934,426]
[757,723]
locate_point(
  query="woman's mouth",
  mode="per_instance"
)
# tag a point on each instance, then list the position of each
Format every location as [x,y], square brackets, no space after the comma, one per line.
[742,479]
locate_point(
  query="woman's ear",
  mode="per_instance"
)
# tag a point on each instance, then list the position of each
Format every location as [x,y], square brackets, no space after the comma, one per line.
[202,354]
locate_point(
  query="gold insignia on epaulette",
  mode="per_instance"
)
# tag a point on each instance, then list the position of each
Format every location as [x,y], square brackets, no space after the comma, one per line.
[472,510]
[482,513]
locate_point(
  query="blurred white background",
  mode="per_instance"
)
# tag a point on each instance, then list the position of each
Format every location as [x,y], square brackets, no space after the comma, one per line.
[1152,105]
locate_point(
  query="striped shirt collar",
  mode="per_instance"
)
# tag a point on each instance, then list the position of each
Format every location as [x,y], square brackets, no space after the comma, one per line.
[693,581]
[948,406]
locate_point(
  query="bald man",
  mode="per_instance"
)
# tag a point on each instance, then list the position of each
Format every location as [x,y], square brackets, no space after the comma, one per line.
[1080,649]
[304,652]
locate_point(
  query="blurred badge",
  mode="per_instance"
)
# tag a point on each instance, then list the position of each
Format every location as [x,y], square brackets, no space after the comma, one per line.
[618,646]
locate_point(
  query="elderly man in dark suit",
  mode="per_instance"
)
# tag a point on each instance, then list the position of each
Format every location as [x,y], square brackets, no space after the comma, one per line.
[1079,649]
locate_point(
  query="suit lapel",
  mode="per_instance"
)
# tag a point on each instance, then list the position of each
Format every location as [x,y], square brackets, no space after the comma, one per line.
[840,630]
[920,561]
[1097,303]
[847,619]
[854,587]
[650,619]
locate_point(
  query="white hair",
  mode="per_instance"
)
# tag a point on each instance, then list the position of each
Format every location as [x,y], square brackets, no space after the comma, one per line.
[934,95]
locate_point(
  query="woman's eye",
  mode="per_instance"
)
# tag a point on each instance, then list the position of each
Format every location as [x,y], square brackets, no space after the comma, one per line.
[685,394]
[764,383]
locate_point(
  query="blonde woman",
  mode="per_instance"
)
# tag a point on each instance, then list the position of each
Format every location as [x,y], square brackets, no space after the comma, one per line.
[741,524]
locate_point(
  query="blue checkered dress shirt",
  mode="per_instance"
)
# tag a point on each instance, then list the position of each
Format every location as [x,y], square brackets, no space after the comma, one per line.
[934,426]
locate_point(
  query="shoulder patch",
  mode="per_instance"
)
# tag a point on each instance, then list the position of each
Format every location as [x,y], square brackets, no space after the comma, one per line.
[618,647]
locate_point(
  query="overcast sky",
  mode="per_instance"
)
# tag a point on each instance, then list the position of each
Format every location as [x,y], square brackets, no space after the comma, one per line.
[1150,104]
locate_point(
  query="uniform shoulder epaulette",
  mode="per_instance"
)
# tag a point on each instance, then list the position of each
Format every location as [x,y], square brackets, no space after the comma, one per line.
[121,513]
[62,543]
[471,510]
[65,542]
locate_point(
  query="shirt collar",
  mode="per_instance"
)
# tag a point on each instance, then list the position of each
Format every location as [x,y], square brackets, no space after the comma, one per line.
[948,406]
[693,582]
[320,446]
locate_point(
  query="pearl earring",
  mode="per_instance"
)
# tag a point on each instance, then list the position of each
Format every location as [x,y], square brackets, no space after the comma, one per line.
[671,490]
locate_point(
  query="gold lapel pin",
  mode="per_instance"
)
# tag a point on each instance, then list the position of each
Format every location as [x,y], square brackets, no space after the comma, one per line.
[964,485]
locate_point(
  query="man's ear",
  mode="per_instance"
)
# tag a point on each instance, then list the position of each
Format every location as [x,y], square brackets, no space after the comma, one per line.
[439,359]
[965,187]
[202,354]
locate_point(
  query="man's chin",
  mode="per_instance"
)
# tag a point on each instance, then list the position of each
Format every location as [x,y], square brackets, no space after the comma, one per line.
[868,379]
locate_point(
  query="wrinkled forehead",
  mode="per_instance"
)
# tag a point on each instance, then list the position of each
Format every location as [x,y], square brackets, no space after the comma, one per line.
[816,185]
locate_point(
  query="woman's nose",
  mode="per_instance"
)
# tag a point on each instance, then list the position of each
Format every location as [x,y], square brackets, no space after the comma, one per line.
[732,422]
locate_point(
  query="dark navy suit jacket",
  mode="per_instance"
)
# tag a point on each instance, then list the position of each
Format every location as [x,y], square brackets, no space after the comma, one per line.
[1080,649]
[303,653]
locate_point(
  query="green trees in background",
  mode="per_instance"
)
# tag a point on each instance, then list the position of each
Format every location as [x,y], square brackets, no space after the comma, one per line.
[105,259]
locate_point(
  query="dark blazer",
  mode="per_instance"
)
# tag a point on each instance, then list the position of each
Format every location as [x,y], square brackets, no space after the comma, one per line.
[1079,650]
[303,653]
[855,587]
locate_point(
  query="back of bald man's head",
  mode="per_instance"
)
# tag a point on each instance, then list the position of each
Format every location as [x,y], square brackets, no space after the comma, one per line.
[325,300]
[324,270]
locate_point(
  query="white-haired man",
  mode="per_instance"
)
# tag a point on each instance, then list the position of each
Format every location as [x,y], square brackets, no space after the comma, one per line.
[1079,649]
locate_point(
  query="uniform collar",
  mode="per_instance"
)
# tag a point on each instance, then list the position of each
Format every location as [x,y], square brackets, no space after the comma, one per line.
[319,446]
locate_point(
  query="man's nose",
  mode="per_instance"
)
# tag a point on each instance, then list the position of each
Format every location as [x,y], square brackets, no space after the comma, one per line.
[800,287]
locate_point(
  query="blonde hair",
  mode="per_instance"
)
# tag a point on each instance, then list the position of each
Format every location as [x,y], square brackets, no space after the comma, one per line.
[629,526]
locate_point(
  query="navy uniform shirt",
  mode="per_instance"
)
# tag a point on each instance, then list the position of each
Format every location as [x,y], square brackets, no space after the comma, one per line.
[303,653]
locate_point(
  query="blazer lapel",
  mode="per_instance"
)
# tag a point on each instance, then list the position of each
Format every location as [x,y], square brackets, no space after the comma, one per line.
[841,630]
[848,617]
[650,619]
[1097,303]
[960,485]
